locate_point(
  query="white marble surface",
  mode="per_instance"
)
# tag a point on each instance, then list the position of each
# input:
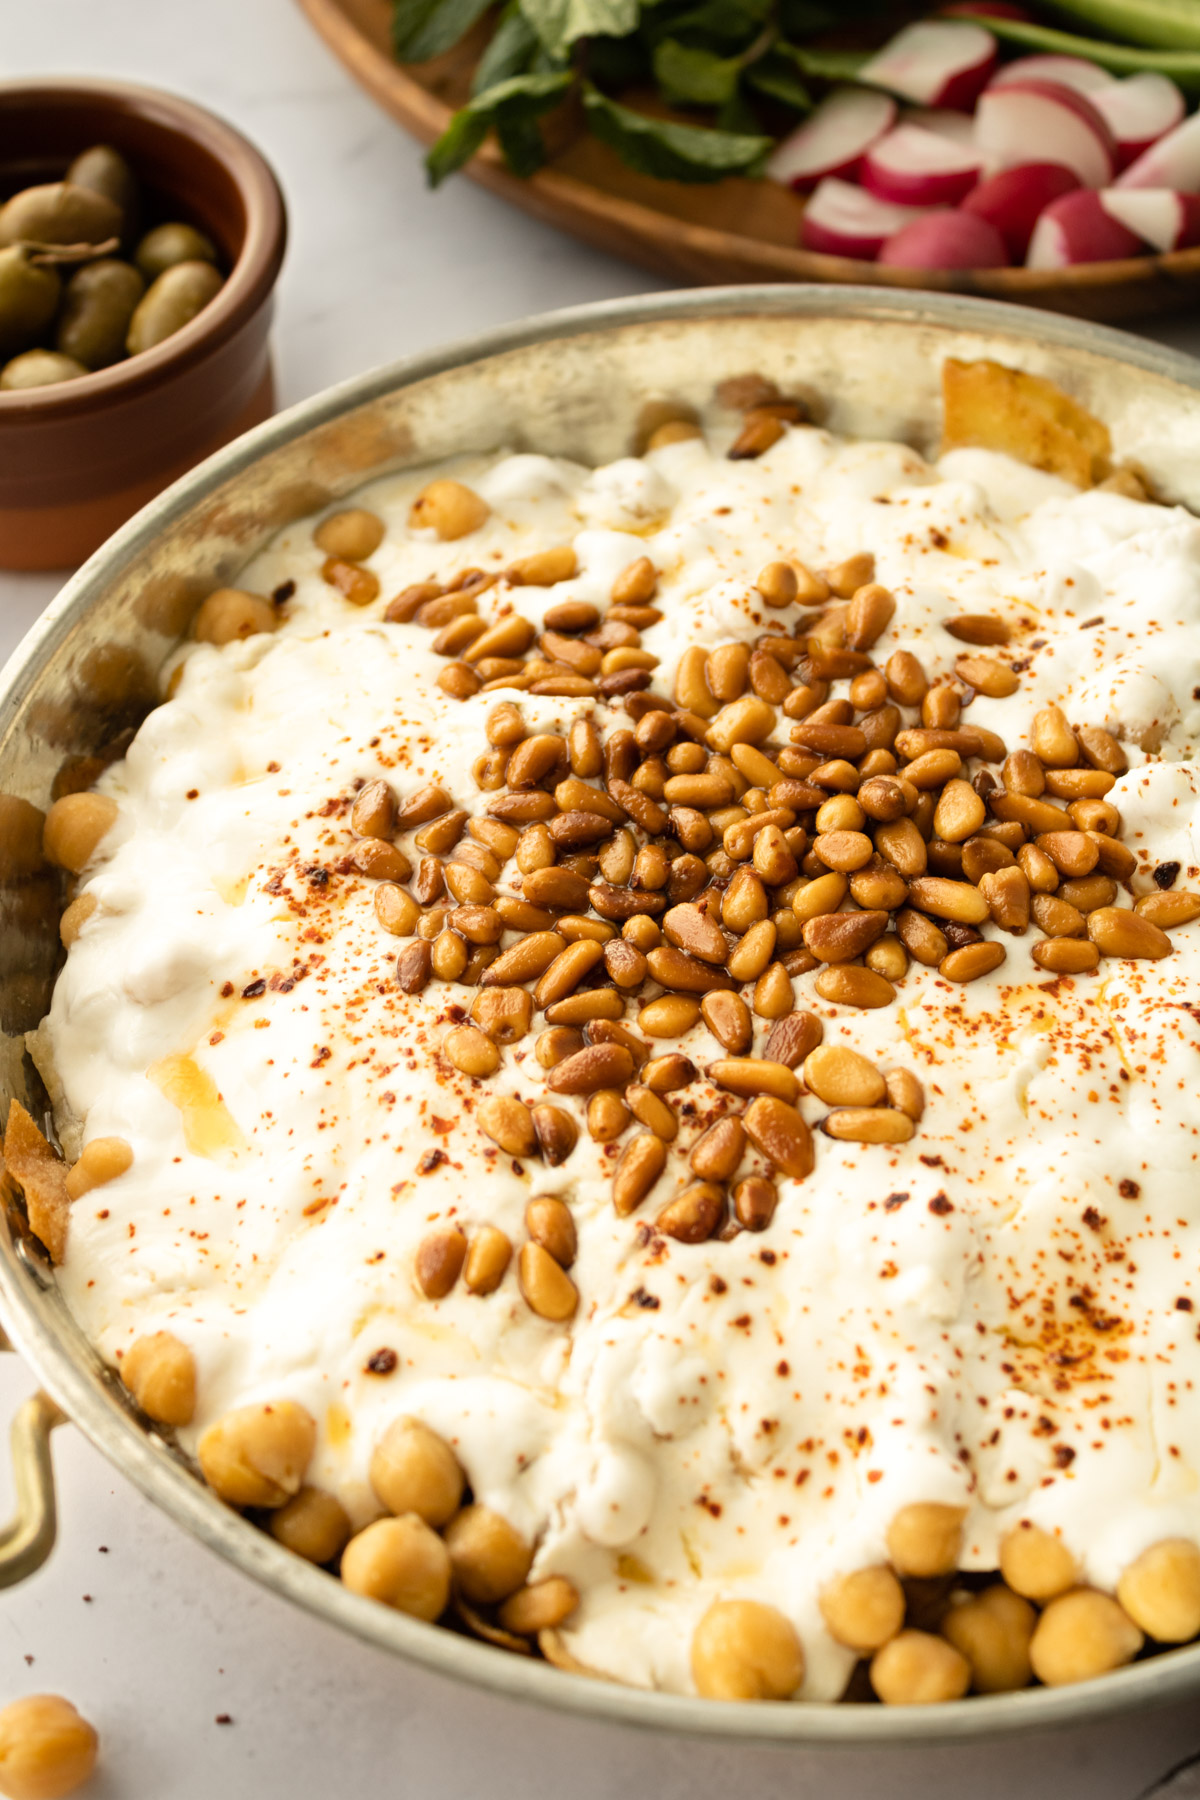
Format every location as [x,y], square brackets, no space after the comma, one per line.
[150,1635]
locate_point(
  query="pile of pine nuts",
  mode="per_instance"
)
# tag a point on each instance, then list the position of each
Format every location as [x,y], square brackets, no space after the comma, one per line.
[790,806]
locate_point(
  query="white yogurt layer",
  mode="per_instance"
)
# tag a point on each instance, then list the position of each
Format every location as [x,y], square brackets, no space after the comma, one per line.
[998,1314]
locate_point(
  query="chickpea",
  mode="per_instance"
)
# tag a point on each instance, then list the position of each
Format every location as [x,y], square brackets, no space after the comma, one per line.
[46,1748]
[449,509]
[353,535]
[863,1610]
[160,1373]
[75,917]
[102,1160]
[1160,1590]
[1036,1564]
[489,1559]
[413,1470]
[917,1669]
[257,1455]
[1080,1635]
[926,1538]
[74,827]
[402,1564]
[313,1524]
[229,614]
[745,1650]
[993,1630]
[540,1606]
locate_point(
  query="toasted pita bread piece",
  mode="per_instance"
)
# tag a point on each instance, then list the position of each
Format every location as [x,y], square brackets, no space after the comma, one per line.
[41,1175]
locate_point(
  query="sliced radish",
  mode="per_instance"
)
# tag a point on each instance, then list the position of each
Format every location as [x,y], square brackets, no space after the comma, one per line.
[1068,71]
[958,127]
[1163,219]
[937,62]
[843,220]
[946,240]
[1173,162]
[1013,200]
[1077,229]
[1139,111]
[1055,123]
[834,139]
[918,168]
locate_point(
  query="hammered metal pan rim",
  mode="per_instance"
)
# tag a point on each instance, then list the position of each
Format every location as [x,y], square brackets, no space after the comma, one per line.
[114,1430]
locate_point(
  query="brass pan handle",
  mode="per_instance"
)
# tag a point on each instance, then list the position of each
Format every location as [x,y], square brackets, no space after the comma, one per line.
[28,1538]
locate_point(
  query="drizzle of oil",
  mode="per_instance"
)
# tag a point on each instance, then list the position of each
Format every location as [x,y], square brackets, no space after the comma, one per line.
[339,1426]
[232,892]
[632,1568]
[209,1128]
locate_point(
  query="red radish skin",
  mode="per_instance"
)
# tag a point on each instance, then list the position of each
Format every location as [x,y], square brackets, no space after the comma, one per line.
[1078,229]
[834,140]
[918,168]
[1161,218]
[843,220]
[1014,200]
[1063,126]
[1065,71]
[1174,162]
[1139,111]
[936,62]
[946,240]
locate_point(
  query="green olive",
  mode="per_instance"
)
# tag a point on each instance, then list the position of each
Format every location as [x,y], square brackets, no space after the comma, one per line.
[28,299]
[38,368]
[167,245]
[103,170]
[97,307]
[59,213]
[170,303]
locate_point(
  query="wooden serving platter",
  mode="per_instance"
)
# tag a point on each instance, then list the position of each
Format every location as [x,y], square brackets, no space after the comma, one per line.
[732,231]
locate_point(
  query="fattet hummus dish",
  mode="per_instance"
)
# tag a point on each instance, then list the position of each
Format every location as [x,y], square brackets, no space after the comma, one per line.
[625,1070]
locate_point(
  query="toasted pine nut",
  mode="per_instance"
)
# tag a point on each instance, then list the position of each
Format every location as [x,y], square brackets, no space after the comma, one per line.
[1167,910]
[509,1123]
[448,508]
[906,679]
[636,583]
[1102,750]
[1066,955]
[1118,931]
[777,584]
[489,1253]
[841,1077]
[978,628]
[1073,853]
[956,900]
[749,1075]
[669,1016]
[694,1214]
[745,721]
[900,842]
[549,1223]
[868,616]
[773,995]
[905,1093]
[667,1074]
[439,1261]
[641,1163]
[607,1116]
[471,1051]
[987,676]
[715,1156]
[779,1132]
[547,1288]
[557,1133]
[692,692]
[972,961]
[868,1125]
[1007,894]
[747,960]
[1052,740]
[845,578]
[959,812]
[846,984]
[1079,784]
[543,568]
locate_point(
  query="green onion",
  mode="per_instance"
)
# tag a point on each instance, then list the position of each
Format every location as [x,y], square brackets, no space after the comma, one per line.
[1183,66]
[1160,24]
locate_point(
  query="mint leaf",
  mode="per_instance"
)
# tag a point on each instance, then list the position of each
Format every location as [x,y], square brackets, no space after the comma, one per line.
[560,23]
[522,143]
[774,76]
[508,51]
[694,77]
[673,152]
[425,28]
[826,65]
[510,103]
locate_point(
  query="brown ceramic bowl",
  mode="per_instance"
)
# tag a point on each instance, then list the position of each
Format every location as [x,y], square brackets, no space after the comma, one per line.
[78,459]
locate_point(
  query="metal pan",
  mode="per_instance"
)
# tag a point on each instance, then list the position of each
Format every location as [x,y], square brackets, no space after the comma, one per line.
[569,384]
